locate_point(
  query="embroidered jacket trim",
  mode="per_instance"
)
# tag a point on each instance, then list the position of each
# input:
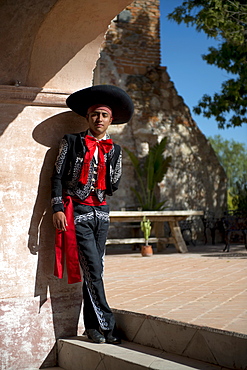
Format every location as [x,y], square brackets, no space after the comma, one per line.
[68,167]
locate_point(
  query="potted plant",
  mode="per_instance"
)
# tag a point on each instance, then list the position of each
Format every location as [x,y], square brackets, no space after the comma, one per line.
[146,250]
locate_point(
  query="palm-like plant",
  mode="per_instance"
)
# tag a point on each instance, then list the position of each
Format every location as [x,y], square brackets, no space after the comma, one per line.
[149,174]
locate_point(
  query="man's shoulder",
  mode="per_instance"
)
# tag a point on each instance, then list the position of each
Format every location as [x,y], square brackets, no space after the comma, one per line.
[117,148]
[116,145]
[74,136]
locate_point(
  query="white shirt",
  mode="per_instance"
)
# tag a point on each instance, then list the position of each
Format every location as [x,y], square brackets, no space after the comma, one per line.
[96,149]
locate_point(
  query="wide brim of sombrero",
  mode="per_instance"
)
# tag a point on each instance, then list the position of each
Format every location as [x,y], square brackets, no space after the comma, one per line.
[114,97]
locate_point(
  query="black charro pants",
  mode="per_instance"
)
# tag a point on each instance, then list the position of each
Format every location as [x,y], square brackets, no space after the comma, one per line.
[92,225]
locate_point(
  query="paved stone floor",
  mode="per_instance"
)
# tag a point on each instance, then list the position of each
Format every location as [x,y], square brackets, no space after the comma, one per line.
[204,286]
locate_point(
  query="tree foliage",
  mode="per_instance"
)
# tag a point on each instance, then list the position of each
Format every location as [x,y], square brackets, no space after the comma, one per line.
[232,156]
[239,195]
[226,21]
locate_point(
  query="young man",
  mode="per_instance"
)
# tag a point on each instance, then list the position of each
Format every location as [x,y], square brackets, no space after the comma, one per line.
[88,168]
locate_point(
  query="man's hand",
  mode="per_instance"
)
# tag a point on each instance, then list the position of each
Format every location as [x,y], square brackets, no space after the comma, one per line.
[59,221]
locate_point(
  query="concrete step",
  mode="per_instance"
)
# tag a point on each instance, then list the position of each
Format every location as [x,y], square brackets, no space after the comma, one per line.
[156,343]
[79,353]
[211,346]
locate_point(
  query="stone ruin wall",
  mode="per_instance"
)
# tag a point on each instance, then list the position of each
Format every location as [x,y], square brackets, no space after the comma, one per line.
[130,58]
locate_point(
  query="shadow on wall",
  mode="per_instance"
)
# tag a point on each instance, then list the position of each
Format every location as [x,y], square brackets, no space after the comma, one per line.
[8,114]
[65,299]
[197,170]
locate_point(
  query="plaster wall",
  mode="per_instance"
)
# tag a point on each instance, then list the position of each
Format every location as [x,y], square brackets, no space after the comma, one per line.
[49,49]
[36,308]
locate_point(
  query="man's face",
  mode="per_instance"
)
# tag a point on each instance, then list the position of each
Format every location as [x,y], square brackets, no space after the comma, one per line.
[99,120]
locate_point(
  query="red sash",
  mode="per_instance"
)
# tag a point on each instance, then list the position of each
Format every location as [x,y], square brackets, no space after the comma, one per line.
[66,247]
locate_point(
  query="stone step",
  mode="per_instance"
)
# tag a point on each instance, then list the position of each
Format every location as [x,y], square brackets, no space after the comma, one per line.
[79,353]
[156,343]
[209,345]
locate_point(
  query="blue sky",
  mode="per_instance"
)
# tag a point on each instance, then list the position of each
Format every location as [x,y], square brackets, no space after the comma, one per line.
[181,50]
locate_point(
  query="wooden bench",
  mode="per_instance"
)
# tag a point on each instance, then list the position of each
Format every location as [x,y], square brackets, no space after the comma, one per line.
[157,218]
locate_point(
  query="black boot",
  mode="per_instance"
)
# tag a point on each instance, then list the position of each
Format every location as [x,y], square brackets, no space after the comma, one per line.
[95,335]
[111,338]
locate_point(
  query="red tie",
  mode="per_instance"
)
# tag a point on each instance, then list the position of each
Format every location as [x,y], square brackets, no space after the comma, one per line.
[104,146]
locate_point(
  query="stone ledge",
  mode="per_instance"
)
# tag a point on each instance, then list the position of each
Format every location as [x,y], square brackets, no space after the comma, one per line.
[214,346]
[79,353]
[32,96]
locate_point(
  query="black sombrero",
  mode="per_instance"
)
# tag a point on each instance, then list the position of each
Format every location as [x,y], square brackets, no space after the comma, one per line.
[117,99]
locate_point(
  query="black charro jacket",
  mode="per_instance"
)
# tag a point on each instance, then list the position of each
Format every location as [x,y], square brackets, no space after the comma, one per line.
[68,167]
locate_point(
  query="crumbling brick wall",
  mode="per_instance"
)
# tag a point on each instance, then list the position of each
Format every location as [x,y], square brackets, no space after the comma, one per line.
[130,58]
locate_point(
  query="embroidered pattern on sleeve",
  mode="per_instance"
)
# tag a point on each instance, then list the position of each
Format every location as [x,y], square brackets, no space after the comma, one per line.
[117,172]
[63,149]
[56,200]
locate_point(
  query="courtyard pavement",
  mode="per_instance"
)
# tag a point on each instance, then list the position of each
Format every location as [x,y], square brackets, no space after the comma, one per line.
[203,287]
